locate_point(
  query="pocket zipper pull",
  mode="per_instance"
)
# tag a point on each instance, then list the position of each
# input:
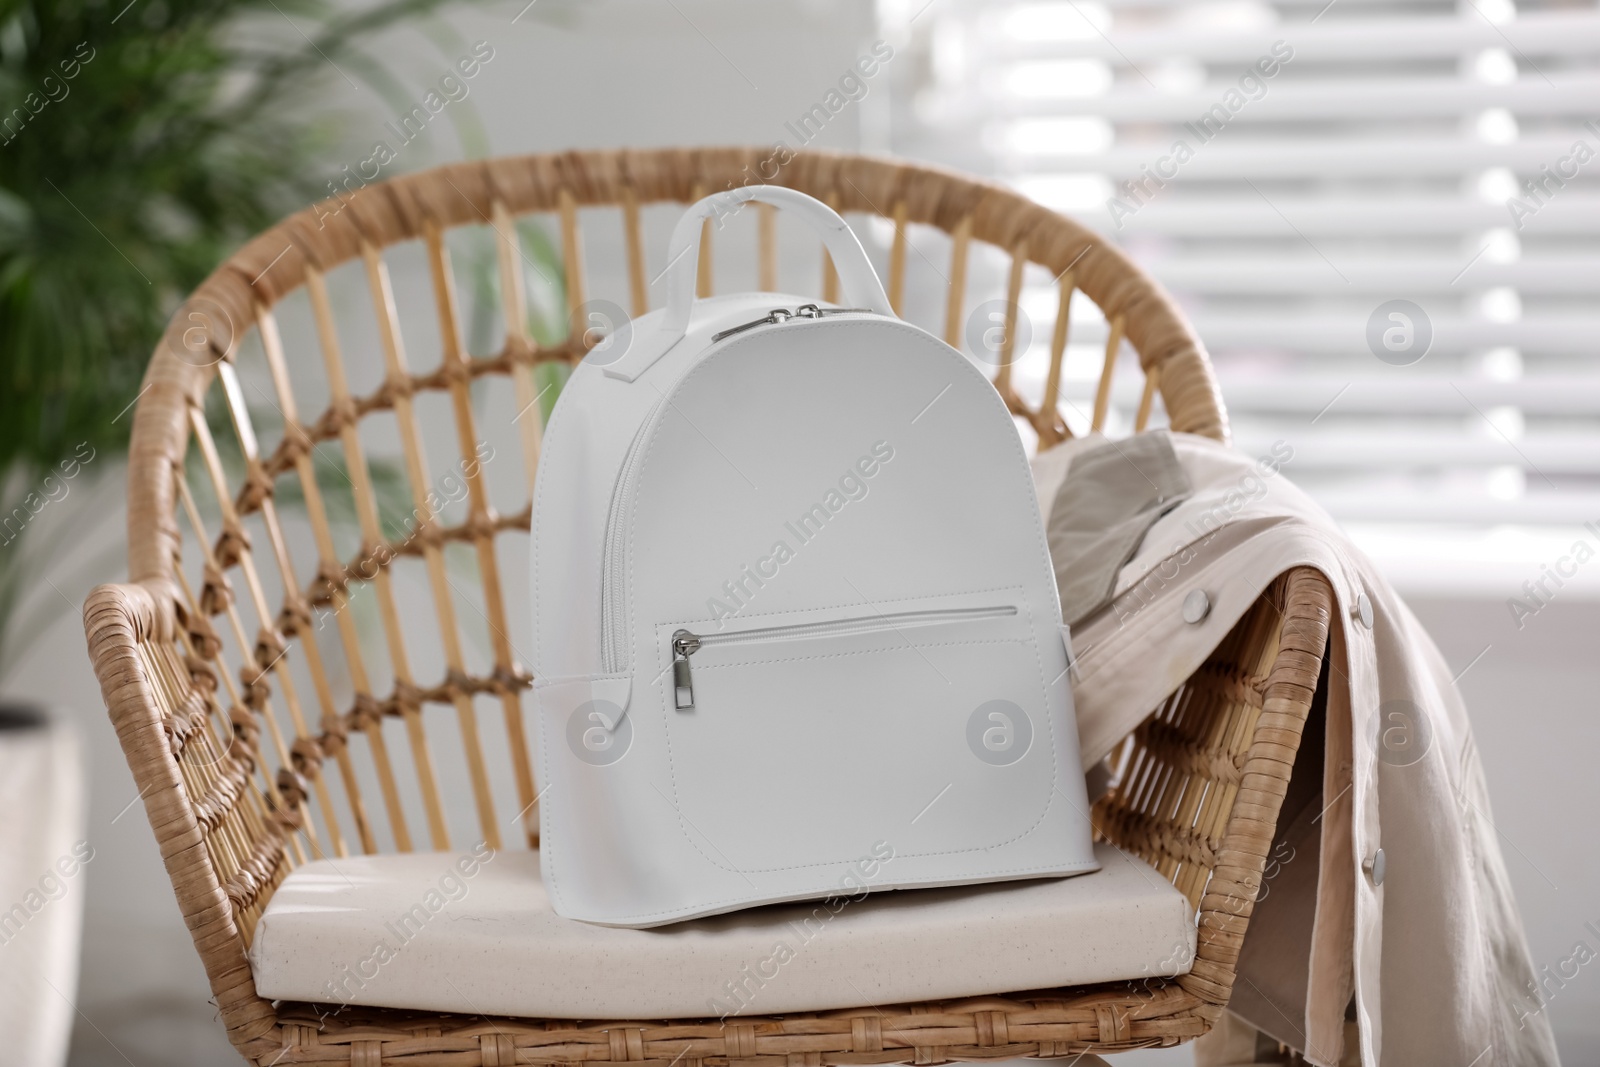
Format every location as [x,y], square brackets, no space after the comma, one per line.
[684,645]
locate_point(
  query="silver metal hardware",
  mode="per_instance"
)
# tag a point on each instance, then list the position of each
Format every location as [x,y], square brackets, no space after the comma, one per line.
[812,311]
[1196,606]
[777,315]
[1361,610]
[774,316]
[684,645]
[1374,866]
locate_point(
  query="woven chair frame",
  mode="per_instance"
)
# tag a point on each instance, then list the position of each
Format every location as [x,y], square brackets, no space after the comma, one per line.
[241,784]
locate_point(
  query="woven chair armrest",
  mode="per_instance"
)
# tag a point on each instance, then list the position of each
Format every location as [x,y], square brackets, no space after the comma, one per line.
[135,645]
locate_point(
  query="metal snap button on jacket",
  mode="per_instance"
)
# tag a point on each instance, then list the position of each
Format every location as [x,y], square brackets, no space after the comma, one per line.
[1196,606]
[1361,610]
[1374,866]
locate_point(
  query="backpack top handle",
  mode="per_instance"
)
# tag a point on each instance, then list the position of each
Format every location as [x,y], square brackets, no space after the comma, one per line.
[858,280]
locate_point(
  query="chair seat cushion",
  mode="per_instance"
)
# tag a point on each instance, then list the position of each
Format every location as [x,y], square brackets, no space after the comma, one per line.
[418,931]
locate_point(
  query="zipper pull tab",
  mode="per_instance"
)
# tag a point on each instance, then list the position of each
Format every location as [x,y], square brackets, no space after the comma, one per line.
[684,645]
[812,311]
[776,315]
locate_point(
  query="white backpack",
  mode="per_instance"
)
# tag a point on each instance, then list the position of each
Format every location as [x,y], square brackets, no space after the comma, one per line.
[796,631]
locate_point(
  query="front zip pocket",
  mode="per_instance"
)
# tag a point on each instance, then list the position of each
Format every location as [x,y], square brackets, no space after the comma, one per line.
[846,723]
[686,643]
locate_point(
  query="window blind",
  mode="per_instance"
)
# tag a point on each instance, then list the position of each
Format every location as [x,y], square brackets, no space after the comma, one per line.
[1383,219]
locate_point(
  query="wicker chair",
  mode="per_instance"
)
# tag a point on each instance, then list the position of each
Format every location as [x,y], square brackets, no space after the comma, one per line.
[233,758]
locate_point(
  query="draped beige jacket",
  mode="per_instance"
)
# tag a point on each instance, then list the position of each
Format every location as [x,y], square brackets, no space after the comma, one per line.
[1391,899]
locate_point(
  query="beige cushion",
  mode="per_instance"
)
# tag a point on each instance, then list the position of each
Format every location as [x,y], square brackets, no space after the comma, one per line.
[414,931]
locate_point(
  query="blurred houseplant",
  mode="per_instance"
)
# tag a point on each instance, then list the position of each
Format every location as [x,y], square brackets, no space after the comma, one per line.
[140,142]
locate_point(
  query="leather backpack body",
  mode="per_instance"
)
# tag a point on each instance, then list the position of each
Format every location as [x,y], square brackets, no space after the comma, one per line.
[796,630]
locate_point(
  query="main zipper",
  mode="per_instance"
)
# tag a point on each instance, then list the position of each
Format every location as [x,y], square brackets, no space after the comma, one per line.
[613,605]
[778,315]
[686,643]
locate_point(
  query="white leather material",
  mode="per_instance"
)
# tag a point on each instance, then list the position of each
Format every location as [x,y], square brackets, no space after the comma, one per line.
[852,475]
[414,931]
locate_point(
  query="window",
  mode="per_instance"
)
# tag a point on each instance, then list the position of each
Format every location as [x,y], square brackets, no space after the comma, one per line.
[1383,219]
